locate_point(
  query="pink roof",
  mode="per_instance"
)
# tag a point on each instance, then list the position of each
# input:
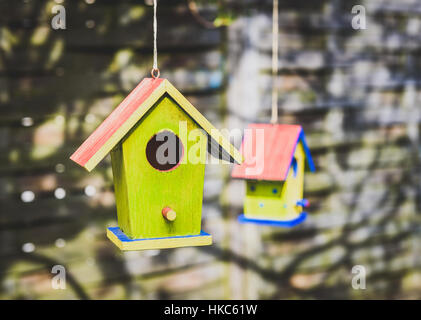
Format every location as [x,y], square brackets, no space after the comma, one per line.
[268,151]
[115,120]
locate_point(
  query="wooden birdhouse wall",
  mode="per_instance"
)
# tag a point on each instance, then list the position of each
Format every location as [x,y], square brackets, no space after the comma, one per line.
[277,199]
[142,191]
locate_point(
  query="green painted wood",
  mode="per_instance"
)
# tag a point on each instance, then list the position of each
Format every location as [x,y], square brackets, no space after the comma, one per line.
[120,189]
[149,190]
[262,201]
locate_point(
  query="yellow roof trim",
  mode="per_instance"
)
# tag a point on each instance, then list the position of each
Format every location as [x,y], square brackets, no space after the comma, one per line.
[214,133]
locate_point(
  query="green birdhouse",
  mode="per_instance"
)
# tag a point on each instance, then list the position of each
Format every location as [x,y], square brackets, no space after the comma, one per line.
[158,143]
[275,158]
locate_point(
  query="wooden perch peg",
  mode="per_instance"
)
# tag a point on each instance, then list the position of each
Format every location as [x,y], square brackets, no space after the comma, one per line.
[303,203]
[169,214]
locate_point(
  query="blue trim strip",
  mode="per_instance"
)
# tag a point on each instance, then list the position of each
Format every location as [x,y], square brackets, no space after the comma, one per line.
[122,236]
[275,223]
[310,162]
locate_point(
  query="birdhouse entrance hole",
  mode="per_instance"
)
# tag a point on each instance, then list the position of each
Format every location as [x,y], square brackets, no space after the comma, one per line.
[164,151]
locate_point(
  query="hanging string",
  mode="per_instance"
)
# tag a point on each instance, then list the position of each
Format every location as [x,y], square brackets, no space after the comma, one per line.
[275,32]
[155,71]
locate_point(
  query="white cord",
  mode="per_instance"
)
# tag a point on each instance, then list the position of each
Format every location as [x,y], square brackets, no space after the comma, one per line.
[275,32]
[155,70]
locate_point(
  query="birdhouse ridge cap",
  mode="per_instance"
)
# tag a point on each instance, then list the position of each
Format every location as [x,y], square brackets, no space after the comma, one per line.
[132,109]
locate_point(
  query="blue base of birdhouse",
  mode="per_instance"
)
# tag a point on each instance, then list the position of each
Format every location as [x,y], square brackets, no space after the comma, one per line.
[121,240]
[274,223]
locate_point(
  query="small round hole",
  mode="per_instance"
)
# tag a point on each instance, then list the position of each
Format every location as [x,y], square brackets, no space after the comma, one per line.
[164,151]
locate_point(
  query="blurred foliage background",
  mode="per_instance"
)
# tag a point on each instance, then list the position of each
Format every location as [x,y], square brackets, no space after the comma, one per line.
[356,93]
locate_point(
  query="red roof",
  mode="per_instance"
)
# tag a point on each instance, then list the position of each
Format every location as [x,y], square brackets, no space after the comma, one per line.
[110,125]
[268,151]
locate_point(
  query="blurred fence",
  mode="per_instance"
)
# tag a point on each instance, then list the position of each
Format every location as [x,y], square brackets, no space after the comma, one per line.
[356,93]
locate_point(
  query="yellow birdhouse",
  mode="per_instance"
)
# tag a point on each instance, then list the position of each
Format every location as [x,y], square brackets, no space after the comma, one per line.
[275,158]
